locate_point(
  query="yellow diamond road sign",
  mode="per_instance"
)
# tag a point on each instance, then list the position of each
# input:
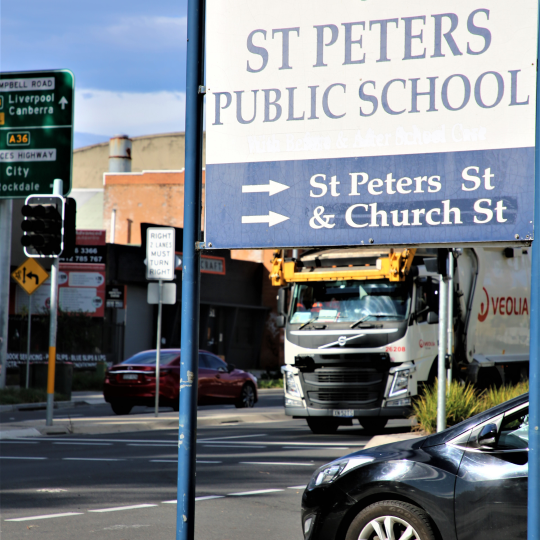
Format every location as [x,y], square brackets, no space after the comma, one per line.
[30,276]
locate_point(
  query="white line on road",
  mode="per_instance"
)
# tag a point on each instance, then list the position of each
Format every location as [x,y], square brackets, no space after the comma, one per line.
[119,508]
[200,461]
[232,437]
[276,463]
[297,487]
[315,447]
[90,459]
[47,516]
[17,441]
[245,447]
[86,443]
[208,497]
[254,492]
[163,460]
[20,457]
[167,445]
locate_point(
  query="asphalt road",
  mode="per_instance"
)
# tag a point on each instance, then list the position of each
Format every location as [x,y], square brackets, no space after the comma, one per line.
[250,479]
[273,398]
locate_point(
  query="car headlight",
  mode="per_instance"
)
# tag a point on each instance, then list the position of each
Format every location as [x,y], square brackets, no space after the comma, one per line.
[290,384]
[329,472]
[401,382]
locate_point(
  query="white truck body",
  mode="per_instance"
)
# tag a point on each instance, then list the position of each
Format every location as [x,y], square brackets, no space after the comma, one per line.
[340,370]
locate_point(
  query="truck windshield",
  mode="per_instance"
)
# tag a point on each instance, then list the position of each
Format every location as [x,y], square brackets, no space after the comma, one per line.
[340,301]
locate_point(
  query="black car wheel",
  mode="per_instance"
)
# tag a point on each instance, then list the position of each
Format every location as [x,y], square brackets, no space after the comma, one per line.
[247,397]
[373,423]
[121,408]
[322,426]
[391,520]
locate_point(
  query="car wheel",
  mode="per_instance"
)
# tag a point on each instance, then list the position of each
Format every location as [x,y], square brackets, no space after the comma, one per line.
[391,520]
[247,397]
[121,408]
[373,423]
[322,426]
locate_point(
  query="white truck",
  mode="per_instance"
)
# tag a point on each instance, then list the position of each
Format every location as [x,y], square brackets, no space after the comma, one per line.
[361,327]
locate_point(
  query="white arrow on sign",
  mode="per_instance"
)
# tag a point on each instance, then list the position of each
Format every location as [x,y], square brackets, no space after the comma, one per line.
[63,102]
[272,219]
[272,188]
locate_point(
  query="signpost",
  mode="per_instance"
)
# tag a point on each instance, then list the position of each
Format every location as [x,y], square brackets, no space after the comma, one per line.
[160,265]
[36,132]
[30,276]
[389,123]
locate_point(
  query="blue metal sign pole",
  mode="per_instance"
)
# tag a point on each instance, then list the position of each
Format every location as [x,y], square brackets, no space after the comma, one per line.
[187,433]
[533,524]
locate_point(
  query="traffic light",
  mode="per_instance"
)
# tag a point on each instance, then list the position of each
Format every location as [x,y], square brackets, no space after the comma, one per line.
[43,225]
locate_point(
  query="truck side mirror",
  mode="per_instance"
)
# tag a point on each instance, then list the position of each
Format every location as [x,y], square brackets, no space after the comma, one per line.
[280,321]
[432,318]
[282,301]
[488,436]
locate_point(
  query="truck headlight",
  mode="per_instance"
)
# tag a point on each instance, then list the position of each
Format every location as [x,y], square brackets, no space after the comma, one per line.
[329,472]
[290,385]
[401,382]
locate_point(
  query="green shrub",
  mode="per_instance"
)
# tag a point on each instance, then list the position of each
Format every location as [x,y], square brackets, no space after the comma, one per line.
[87,380]
[462,402]
[270,383]
[14,396]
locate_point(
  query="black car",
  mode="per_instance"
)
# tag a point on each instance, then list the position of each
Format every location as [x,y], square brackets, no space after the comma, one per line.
[468,482]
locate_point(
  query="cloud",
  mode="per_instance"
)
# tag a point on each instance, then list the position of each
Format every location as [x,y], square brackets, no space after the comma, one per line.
[146,33]
[102,112]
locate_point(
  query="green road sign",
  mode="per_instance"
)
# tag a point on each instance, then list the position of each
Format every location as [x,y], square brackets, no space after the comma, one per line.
[36,132]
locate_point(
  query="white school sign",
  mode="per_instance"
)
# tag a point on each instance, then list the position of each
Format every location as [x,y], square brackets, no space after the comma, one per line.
[369,122]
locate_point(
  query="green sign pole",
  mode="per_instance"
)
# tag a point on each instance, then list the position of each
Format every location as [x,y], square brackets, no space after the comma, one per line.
[36,132]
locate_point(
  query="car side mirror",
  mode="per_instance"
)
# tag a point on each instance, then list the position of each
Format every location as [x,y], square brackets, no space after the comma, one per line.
[280,321]
[432,318]
[281,301]
[487,436]
[230,367]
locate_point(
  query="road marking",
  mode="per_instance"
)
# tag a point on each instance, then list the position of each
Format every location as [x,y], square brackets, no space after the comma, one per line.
[208,497]
[163,460]
[167,445]
[18,442]
[276,463]
[232,437]
[315,447]
[91,459]
[241,494]
[297,487]
[119,508]
[175,441]
[20,457]
[200,461]
[87,443]
[47,516]
[244,446]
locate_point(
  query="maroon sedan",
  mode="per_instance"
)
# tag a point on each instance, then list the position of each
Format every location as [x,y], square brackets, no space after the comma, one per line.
[133,382]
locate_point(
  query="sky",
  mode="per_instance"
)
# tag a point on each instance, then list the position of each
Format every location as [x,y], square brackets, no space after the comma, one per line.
[128,58]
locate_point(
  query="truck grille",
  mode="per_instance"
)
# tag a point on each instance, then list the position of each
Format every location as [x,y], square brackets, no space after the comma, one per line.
[341,396]
[345,386]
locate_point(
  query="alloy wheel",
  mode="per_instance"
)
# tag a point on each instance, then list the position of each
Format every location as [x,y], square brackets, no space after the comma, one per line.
[388,528]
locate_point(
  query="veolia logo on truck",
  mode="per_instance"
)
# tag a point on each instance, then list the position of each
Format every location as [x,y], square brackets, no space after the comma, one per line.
[503,305]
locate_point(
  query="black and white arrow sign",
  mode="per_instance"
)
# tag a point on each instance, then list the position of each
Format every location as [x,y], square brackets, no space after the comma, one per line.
[272,219]
[271,188]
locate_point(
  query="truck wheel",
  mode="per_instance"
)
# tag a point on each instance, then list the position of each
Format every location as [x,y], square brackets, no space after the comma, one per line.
[322,426]
[373,423]
[121,408]
[391,519]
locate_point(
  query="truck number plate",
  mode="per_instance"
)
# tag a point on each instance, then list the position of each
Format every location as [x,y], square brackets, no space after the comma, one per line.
[348,413]
[130,377]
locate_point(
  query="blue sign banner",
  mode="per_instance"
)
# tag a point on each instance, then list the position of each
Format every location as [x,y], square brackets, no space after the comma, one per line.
[447,197]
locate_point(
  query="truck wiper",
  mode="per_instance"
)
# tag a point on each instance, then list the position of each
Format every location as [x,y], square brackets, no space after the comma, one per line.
[354,324]
[309,322]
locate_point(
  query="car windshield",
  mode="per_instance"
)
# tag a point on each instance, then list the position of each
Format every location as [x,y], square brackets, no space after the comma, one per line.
[350,300]
[148,358]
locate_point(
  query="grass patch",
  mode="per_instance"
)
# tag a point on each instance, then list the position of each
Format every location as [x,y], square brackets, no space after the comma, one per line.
[14,396]
[462,402]
[87,380]
[270,383]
